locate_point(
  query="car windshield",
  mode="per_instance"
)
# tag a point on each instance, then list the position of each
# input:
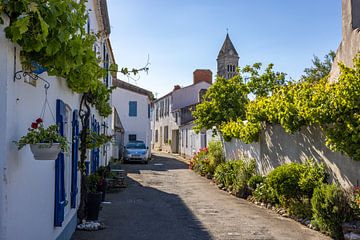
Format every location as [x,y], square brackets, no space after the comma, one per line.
[135,145]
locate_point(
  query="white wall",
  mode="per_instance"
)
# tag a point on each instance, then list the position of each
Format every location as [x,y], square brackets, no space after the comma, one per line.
[160,124]
[236,149]
[27,185]
[188,95]
[139,125]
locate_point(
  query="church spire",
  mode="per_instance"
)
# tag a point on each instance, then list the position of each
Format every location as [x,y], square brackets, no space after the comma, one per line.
[228,59]
[227,47]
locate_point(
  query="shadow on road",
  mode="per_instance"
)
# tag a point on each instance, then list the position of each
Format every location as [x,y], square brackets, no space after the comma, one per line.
[145,213]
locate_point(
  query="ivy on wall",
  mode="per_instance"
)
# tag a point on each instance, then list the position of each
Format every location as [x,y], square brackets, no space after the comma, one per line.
[52,34]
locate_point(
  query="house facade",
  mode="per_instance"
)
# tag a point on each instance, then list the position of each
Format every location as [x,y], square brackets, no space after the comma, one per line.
[173,110]
[133,107]
[39,199]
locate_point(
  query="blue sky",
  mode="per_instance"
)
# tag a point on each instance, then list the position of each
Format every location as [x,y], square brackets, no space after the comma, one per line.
[183,35]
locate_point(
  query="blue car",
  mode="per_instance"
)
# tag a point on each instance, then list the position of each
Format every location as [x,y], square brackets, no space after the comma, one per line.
[136,151]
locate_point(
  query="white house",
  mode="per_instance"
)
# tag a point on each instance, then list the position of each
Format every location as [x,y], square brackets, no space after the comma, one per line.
[173,110]
[39,199]
[132,104]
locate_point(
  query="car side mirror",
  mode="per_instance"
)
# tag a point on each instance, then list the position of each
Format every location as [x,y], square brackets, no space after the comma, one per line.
[147,147]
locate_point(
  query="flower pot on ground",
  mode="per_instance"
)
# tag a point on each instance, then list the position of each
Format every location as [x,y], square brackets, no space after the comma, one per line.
[45,143]
[92,207]
[94,197]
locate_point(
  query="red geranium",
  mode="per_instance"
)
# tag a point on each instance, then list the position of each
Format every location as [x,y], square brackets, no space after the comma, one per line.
[34,125]
[39,120]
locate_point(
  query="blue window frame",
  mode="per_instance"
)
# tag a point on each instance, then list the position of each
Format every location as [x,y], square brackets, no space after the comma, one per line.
[132,109]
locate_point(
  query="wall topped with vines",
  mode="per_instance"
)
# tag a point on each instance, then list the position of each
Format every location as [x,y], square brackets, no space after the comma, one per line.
[334,107]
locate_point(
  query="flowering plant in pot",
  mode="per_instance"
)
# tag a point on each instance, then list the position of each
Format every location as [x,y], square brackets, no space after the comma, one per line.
[45,143]
[93,197]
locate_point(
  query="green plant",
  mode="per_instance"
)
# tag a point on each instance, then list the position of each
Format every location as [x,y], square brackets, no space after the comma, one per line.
[331,209]
[301,209]
[355,201]
[95,140]
[216,155]
[52,34]
[39,134]
[312,176]
[234,175]
[92,183]
[169,142]
[255,181]
[285,181]
[265,193]
[200,162]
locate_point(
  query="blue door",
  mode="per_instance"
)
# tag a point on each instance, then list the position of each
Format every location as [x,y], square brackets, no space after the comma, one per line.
[60,196]
[74,159]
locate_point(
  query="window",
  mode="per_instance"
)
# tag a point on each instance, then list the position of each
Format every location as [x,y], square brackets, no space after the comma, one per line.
[132,137]
[166,134]
[156,135]
[132,109]
[201,94]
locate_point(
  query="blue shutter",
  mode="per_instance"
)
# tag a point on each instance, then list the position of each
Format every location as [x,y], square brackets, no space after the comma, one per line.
[97,155]
[92,155]
[149,110]
[60,196]
[74,159]
[132,109]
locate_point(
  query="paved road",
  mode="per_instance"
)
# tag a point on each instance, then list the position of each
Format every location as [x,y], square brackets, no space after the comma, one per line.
[164,200]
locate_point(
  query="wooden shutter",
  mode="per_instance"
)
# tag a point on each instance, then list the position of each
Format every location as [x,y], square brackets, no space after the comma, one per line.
[74,159]
[60,196]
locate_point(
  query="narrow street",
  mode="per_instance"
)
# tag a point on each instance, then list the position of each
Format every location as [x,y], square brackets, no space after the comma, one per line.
[164,200]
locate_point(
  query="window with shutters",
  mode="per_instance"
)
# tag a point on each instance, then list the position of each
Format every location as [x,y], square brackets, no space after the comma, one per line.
[132,109]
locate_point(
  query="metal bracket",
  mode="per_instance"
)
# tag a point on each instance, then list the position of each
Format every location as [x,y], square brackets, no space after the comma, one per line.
[21,74]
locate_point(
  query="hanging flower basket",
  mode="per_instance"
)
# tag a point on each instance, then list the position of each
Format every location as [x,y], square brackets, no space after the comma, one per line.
[45,143]
[45,151]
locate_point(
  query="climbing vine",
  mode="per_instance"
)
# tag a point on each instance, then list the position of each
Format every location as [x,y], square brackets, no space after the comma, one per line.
[51,33]
[335,107]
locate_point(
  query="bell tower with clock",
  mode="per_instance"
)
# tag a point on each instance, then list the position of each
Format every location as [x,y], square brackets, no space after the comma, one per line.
[227,60]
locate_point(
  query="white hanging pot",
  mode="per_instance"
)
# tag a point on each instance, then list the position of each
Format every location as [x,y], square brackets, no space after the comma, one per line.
[45,151]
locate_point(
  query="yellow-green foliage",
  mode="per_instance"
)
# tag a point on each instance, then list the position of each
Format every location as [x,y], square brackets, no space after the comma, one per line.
[335,107]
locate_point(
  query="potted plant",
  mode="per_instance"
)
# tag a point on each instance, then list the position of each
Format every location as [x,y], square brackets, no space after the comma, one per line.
[45,143]
[93,198]
[102,172]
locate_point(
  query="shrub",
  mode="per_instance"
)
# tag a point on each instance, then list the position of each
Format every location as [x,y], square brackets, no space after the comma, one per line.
[312,176]
[300,209]
[330,209]
[200,162]
[234,175]
[216,155]
[255,181]
[285,181]
[265,193]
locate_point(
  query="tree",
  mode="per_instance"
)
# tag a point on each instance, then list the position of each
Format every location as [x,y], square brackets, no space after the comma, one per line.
[263,85]
[320,69]
[224,101]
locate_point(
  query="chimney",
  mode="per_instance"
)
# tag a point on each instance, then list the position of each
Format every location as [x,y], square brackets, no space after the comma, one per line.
[176,87]
[204,75]
[350,16]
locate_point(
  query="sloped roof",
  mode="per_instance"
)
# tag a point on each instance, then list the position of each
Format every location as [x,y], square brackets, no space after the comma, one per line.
[226,47]
[133,88]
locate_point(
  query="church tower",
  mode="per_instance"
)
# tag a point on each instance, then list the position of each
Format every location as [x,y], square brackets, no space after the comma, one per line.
[227,60]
